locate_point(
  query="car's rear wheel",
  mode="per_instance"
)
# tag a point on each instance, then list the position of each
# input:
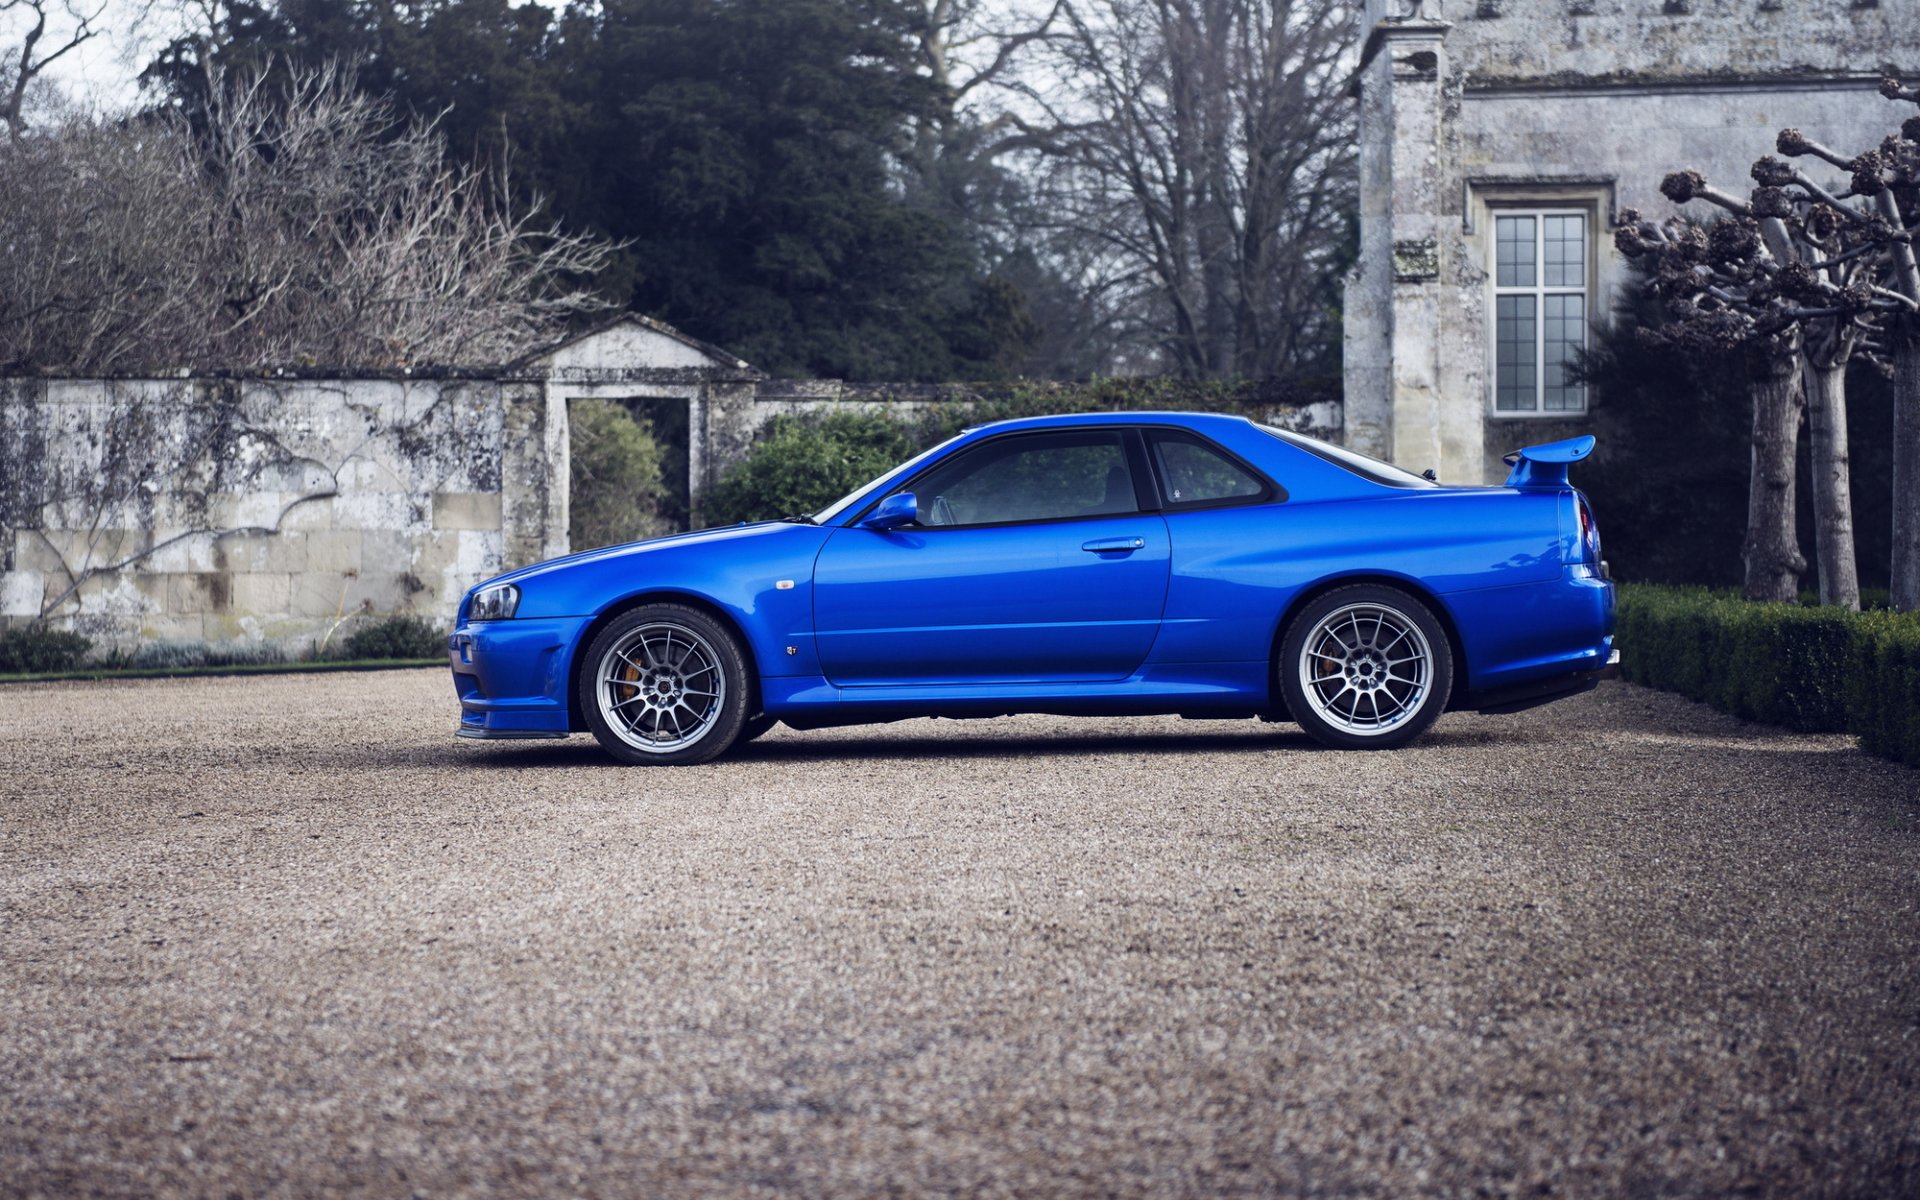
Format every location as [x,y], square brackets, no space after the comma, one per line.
[1366,667]
[665,685]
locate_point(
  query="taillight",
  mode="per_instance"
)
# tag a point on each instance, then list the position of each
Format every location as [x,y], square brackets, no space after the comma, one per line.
[1589,531]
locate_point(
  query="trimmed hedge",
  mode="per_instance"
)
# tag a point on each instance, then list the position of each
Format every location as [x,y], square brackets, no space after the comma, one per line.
[1823,670]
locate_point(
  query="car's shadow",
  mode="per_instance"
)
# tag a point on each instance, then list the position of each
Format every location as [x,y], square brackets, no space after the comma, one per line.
[840,746]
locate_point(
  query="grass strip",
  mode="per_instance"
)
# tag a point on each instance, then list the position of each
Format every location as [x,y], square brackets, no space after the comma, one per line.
[285,668]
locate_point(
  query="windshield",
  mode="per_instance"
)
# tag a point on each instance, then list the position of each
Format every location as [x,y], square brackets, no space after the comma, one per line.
[900,472]
[1359,464]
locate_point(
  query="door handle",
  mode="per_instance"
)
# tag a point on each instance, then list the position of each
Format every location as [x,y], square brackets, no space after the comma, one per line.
[1114,545]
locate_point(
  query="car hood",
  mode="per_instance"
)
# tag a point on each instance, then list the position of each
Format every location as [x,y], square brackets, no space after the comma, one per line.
[672,541]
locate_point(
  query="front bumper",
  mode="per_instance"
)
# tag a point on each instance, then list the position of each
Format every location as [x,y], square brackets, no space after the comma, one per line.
[512,676]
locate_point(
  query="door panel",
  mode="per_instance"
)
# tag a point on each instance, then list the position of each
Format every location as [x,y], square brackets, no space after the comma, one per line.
[1060,600]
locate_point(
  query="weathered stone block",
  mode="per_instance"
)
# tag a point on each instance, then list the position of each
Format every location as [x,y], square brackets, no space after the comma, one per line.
[199,592]
[333,552]
[466,510]
[249,510]
[255,552]
[388,552]
[318,596]
[368,475]
[377,510]
[262,594]
[122,593]
[308,514]
[32,553]
[187,629]
[21,593]
[175,554]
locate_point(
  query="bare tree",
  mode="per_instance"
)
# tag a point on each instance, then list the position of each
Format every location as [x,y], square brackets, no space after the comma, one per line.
[1205,147]
[969,48]
[299,224]
[1803,271]
[49,30]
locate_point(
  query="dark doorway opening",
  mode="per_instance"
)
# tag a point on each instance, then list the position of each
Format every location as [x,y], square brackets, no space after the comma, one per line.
[666,417]
[628,478]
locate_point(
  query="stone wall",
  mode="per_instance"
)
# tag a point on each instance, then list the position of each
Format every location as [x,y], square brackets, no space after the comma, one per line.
[247,511]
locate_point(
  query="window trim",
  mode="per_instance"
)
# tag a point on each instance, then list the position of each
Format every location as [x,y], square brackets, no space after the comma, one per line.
[911,483]
[1538,208]
[1148,490]
[1270,492]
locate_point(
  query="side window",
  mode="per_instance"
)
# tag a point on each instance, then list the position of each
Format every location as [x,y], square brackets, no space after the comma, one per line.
[1041,477]
[1198,474]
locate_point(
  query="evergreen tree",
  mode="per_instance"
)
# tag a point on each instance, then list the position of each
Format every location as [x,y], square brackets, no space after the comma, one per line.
[750,153]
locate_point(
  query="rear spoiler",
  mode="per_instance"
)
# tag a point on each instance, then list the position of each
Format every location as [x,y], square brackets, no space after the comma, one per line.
[1546,466]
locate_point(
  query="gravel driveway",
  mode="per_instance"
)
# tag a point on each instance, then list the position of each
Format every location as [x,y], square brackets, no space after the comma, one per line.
[287,936]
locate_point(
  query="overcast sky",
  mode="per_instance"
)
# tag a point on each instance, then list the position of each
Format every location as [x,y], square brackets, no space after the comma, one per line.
[102,72]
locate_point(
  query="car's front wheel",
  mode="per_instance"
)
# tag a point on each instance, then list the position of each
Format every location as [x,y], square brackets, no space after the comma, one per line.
[665,685]
[1366,667]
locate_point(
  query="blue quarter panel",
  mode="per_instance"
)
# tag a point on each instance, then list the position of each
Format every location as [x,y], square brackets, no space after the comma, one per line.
[1236,571]
[1525,632]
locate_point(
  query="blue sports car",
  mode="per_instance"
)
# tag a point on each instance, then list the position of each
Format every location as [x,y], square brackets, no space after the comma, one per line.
[1110,564]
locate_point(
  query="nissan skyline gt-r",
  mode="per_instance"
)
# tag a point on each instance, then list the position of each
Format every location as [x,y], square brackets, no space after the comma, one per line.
[1100,564]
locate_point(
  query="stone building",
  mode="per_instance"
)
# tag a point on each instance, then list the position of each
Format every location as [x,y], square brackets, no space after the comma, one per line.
[1499,138]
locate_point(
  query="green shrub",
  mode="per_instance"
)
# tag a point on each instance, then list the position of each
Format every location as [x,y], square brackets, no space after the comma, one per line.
[1870,599]
[400,636]
[1884,691]
[35,648]
[175,656]
[1813,669]
[805,462]
[617,487]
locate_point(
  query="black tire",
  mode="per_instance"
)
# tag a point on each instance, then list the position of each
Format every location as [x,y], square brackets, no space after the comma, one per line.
[665,685]
[1365,667]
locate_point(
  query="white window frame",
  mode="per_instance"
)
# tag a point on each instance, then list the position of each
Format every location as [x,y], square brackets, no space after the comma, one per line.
[1538,291]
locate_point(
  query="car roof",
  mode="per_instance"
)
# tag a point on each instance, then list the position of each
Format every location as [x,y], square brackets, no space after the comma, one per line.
[1191,420]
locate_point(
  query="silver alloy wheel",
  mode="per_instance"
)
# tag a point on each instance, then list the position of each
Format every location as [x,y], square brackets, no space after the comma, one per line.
[660,688]
[1366,668]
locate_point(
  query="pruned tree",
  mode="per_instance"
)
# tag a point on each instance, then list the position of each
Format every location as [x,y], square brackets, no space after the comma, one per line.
[1204,148]
[1805,277]
[296,221]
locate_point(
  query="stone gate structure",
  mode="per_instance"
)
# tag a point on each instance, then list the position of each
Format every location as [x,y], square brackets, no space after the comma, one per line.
[281,508]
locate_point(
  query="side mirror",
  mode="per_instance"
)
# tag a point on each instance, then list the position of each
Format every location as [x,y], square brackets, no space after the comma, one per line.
[896,510]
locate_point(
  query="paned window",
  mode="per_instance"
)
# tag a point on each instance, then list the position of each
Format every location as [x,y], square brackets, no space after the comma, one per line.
[1539,310]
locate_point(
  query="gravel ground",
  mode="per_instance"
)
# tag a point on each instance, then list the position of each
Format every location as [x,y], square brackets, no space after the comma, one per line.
[286,936]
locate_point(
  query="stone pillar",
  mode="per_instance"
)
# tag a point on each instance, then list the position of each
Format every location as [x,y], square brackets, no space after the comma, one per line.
[699,452]
[535,473]
[1393,297]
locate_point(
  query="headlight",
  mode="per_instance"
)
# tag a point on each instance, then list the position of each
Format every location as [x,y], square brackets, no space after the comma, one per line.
[494,603]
